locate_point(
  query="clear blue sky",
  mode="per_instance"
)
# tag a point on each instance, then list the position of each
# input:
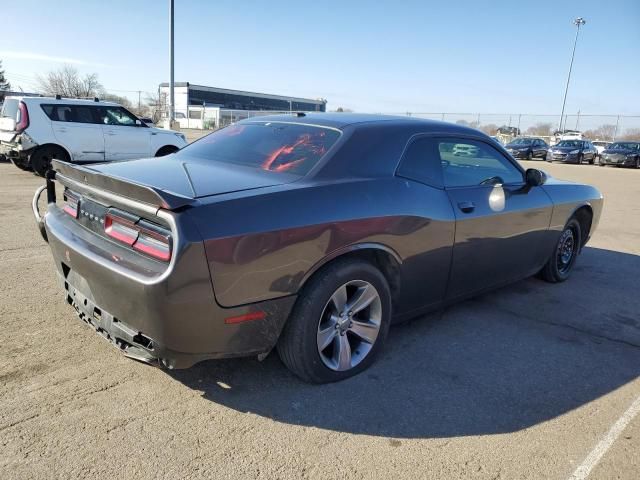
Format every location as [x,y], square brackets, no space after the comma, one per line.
[383,56]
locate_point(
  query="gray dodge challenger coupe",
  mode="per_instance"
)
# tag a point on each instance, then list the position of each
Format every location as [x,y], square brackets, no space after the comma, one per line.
[310,233]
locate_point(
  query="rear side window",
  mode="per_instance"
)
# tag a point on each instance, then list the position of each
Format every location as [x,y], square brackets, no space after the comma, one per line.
[420,162]
[70,113]
[10,108]
[271,146]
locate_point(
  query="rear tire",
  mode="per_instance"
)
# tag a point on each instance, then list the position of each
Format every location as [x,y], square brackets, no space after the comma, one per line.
[40,159]
[21,165]
[312,342]
[559,266]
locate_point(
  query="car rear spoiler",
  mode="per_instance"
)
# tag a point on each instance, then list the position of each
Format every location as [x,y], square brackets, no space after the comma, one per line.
[125,188]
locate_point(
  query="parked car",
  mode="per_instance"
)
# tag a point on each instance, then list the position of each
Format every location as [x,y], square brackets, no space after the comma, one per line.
[34,130]
[465,150]
[600,146]
[308,233]
[567,135]
[528,148]
[623,154]
[572,151]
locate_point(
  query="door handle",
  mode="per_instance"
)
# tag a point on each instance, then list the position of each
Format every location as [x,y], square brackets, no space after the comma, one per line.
[110,133]
[466,207]
[61,129]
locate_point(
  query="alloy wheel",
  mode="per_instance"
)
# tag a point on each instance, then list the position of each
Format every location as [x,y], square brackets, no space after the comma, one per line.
[349,325]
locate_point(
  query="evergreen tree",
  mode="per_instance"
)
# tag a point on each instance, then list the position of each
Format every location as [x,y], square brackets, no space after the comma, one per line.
[4,85]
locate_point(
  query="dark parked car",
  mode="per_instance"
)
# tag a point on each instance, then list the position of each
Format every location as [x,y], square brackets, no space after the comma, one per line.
[573,151]
[306,233]
[626,154]
[528,148]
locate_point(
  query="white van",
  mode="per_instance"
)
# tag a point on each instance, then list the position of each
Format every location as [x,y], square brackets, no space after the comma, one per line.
[33,130]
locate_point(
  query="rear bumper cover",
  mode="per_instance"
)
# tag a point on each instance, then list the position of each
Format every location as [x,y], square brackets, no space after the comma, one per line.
[170,319]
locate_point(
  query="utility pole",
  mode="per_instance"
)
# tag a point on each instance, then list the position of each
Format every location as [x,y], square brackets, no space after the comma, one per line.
[615,132]
[172,113]
[577,22]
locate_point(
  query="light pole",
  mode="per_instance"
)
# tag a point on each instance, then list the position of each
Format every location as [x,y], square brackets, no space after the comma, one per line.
[577,22]
[172,115]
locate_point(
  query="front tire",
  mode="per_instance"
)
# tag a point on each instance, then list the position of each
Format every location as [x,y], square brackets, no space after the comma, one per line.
[559,266]
[339,323]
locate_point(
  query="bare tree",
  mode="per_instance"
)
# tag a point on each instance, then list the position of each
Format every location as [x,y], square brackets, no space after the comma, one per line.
[111,97]
[489,129]
[540,129]
[630,134]
[603,132]
[67,82]
[473,124]
[342,109]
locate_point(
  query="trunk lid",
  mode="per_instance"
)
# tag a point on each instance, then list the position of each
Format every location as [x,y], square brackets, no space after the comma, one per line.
[170,182]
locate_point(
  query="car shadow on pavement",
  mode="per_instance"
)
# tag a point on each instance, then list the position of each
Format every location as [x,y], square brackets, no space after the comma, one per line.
[498,363]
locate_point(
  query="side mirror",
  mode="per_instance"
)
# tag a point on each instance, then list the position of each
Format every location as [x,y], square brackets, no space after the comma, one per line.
[139,123]
[535,177]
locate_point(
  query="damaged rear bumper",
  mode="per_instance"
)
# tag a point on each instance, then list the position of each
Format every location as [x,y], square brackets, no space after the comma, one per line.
[161,314]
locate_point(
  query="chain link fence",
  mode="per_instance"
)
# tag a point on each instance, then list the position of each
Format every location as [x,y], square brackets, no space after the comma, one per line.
[594,127]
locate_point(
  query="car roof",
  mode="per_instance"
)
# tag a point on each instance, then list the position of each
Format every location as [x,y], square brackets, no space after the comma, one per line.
[63,100]
[340,120]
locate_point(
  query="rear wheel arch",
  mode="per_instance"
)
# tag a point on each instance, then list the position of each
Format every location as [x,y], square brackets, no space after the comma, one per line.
[40,158]
[56,146]
[380,256]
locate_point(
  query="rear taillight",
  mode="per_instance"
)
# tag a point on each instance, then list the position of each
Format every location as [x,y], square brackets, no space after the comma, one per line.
[120,228]
[22,122]
[70,203]
[143,236]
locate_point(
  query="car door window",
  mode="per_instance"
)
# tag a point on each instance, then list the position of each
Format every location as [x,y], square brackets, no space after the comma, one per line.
[69,113]
[117,116]
[420,163]
[468,162]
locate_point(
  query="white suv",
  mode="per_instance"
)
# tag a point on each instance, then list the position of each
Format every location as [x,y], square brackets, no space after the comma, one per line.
[33,130]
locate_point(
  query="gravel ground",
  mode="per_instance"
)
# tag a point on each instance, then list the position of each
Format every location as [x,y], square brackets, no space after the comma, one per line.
[519,383]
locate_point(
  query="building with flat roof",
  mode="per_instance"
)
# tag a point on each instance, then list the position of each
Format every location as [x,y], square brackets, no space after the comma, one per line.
[187,94]
[198,106]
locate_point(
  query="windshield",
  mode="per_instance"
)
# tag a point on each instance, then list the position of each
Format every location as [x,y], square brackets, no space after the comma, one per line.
[273,147]
[522,141]
[625,146]
[10,108]
[570,143]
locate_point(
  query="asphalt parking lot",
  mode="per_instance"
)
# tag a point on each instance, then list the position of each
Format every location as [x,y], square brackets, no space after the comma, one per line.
[523,382]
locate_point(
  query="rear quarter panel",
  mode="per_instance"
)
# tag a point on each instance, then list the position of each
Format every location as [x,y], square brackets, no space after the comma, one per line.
[263,246]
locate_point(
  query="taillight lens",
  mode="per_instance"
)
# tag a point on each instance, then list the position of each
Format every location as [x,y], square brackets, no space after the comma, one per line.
[120,228]
[143,236]
[23,117]
[71,203]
